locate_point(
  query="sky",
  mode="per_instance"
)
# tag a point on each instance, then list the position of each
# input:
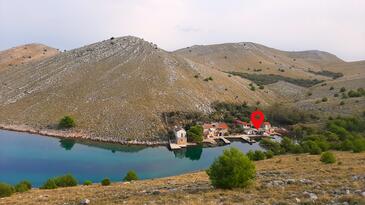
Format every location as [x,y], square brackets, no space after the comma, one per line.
[335,26]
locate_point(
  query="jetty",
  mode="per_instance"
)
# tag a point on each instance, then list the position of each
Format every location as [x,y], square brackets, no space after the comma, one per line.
[246,138]
[224,140]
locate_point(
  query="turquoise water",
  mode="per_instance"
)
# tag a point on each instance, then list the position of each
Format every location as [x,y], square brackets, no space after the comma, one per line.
[37,158]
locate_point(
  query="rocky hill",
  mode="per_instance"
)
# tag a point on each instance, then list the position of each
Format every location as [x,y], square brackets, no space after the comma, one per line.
[24,54]
[119,89]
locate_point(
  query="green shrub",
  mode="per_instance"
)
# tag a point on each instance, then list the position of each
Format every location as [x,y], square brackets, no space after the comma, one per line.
[309,94]
[131,175]
[328,158]
[195,134]
[271,145]
[343,89]
[105,182]
[269,154]
[66,122]
[88,182]
[6,190]
[232,169]
[331,88]
[342,103]
[261,87]
[49,184]
[66,181]
[311,147]
[251,155]
[359,145]
[259,155]
[23,186]
[335,95]
[324,99]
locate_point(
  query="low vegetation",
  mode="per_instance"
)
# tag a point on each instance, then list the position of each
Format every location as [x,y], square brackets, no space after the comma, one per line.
[265,79]
[327,73]
[105,182]
[232,169]
[88,183]
[131,176]
[6,190]
[328,158]
[66,122]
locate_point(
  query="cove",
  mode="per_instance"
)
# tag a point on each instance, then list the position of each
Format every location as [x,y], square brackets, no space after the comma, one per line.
[36,158]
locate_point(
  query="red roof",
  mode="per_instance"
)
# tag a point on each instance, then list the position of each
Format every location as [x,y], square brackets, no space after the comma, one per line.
[267,123]
[246,123]
[222,125]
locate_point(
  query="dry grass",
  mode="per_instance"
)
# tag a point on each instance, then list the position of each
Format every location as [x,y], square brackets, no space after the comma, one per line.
[194,188]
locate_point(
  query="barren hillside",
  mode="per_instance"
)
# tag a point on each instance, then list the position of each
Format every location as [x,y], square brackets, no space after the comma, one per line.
[24,54]
[255,58]
[116,89]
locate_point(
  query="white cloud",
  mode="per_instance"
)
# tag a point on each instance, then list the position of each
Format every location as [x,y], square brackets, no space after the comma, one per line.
[332,25]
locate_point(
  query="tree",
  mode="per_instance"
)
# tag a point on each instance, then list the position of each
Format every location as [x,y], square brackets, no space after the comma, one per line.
[105,182]
[195,134]
[6,190]
[232,169]
[131,176]
[66,122]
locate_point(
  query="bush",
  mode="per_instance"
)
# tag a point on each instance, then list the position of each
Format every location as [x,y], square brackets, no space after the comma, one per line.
[66,181]
[66,122]
[324,99]
[269,154]
[261,87]
[49,184]
[232,169]
[259,155]
[131,175]
[195,134]
[331,88]
[88,182]
[342,103]
[359,145]
[6,190]
[271,145]
[23,186]
[343,89]
[105,182]
[328,158]
[251,155]
[311,147]
[335,95]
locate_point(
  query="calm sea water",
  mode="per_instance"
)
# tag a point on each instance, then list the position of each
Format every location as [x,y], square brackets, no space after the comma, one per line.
[37,158]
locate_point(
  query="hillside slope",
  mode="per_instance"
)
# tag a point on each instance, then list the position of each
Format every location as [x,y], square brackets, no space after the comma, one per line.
[24,54]
[251,57]
[116,89]
[287,179]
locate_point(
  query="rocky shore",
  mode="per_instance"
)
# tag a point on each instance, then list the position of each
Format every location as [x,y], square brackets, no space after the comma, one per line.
[77,134]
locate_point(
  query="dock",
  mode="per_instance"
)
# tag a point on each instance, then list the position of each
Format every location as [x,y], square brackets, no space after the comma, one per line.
[224,140]
[211,141]
[246,138]
[174,146]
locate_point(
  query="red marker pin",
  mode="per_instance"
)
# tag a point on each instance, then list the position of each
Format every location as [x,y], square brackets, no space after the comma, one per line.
[257,118]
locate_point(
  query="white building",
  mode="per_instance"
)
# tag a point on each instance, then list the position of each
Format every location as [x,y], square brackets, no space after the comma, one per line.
[180,136]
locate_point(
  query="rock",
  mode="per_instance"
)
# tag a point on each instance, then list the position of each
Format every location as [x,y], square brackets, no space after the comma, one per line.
[347,191]
[363,193]
[313,196]
[290,181]
[297,200]
[310,195]
[306,181]
[85,201]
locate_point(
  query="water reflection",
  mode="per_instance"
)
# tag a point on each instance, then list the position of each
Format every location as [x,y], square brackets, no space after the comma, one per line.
[67,144]
[193,152]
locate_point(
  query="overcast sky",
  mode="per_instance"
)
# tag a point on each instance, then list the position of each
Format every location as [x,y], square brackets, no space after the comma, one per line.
[336,26]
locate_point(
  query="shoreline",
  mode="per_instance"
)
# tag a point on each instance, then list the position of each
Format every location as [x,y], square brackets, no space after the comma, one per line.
[77,135]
